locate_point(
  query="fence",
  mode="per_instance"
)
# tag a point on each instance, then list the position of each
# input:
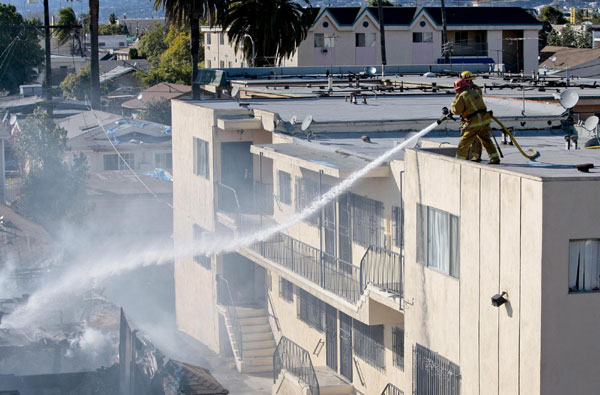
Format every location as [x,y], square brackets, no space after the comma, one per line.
[434,374]
[13,190]
[296,360]
[382,268]
[327,271]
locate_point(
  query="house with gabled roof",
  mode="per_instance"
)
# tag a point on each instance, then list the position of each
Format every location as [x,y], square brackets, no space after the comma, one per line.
[350,36]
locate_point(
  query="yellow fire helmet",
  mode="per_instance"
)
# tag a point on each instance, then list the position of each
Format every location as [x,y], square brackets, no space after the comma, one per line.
[467,75]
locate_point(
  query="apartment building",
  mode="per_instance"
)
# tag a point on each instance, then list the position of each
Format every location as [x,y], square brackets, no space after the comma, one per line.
[430,274]
[350,36]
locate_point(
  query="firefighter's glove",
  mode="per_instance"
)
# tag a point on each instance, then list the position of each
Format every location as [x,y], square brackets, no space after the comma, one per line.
[445,111]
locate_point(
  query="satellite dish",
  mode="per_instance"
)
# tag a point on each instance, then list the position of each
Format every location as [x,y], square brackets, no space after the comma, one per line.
[371,70]
[553,59]
[569,98]
[591,122]
[306,123]
[139,96]
[293,120]
[235,91]
[12,120]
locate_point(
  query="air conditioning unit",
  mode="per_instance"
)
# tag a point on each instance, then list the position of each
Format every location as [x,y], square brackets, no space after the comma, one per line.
[324,50]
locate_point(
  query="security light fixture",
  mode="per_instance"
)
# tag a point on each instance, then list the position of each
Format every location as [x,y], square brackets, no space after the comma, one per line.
[499,299]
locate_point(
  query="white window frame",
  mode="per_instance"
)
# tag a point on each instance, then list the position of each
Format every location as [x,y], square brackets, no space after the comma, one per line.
[438,240]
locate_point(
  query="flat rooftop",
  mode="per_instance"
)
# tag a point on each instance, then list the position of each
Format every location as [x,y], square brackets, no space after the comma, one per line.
[380,109]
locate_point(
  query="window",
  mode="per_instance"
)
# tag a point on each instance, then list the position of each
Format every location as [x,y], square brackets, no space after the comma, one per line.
[434,374]
[367,221]
[221,64]
[311,310]
[368,343]
[307,191]
[319,40]
[325,24]
[163,160]
[461,37]
[199,235]
[201,157]
[208,64]
[398,347]
[121,44]
[208,36]
[422,37]
[221,39]
[101,44]
[365,39]
[229,64]
[584,265]
[438,240]
[285,187]
[398,225]
[323,40]
[286,290]
[114,162]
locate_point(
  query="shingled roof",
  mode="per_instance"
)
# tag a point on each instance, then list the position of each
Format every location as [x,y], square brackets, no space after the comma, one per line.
[483,16]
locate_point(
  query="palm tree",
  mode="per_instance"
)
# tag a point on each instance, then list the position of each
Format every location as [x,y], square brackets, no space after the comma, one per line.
[68,32]
[277,27]
[190,12]
[94,61]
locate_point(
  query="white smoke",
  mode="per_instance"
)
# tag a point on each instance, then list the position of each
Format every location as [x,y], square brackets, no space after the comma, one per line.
[94,267]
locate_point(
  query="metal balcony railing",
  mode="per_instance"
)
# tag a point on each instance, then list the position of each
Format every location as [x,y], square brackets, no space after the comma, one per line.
[468,49]
[226,299]
[327,271]
[296,360]
[382,268]
[391,389]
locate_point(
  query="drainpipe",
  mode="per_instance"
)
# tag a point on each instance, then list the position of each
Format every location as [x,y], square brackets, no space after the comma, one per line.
[260,156]
[382,36]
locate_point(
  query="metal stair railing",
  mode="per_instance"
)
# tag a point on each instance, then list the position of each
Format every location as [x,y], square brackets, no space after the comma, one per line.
[383,268]
[236,327]
[391,389]
[295,359]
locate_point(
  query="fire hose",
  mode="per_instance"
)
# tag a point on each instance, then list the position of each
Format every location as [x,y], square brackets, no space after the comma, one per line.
[534,154]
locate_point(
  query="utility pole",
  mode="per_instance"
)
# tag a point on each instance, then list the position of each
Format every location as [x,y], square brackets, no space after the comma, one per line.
[382,34]
[48,79]
[444,34]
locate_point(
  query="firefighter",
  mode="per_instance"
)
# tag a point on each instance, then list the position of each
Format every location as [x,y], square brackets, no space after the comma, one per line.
[476,147]
[475,121]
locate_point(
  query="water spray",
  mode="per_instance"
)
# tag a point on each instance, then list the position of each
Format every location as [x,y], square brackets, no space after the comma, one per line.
[96,269]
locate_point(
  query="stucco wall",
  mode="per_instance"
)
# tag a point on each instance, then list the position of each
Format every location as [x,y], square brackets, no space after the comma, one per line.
[570,322]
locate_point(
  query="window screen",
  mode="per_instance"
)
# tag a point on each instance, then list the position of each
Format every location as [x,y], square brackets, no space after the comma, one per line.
[286,290]
[311,310]
[368,343]
[367,221]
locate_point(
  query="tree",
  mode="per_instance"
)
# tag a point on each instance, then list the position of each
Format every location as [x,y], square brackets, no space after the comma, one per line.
[554,38]
[552,15]
[68,19]
[107,29]
[568,38]
[20,51]
[112,18]
[277,27]
[385,3]
[133,53]
[54,190]
[78,85]
[154,43]
[189,12]
[173,64]
[157,110]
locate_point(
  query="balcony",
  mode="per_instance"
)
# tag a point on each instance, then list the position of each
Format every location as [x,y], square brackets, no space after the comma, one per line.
[383,269]
[468,49]
[329,272]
